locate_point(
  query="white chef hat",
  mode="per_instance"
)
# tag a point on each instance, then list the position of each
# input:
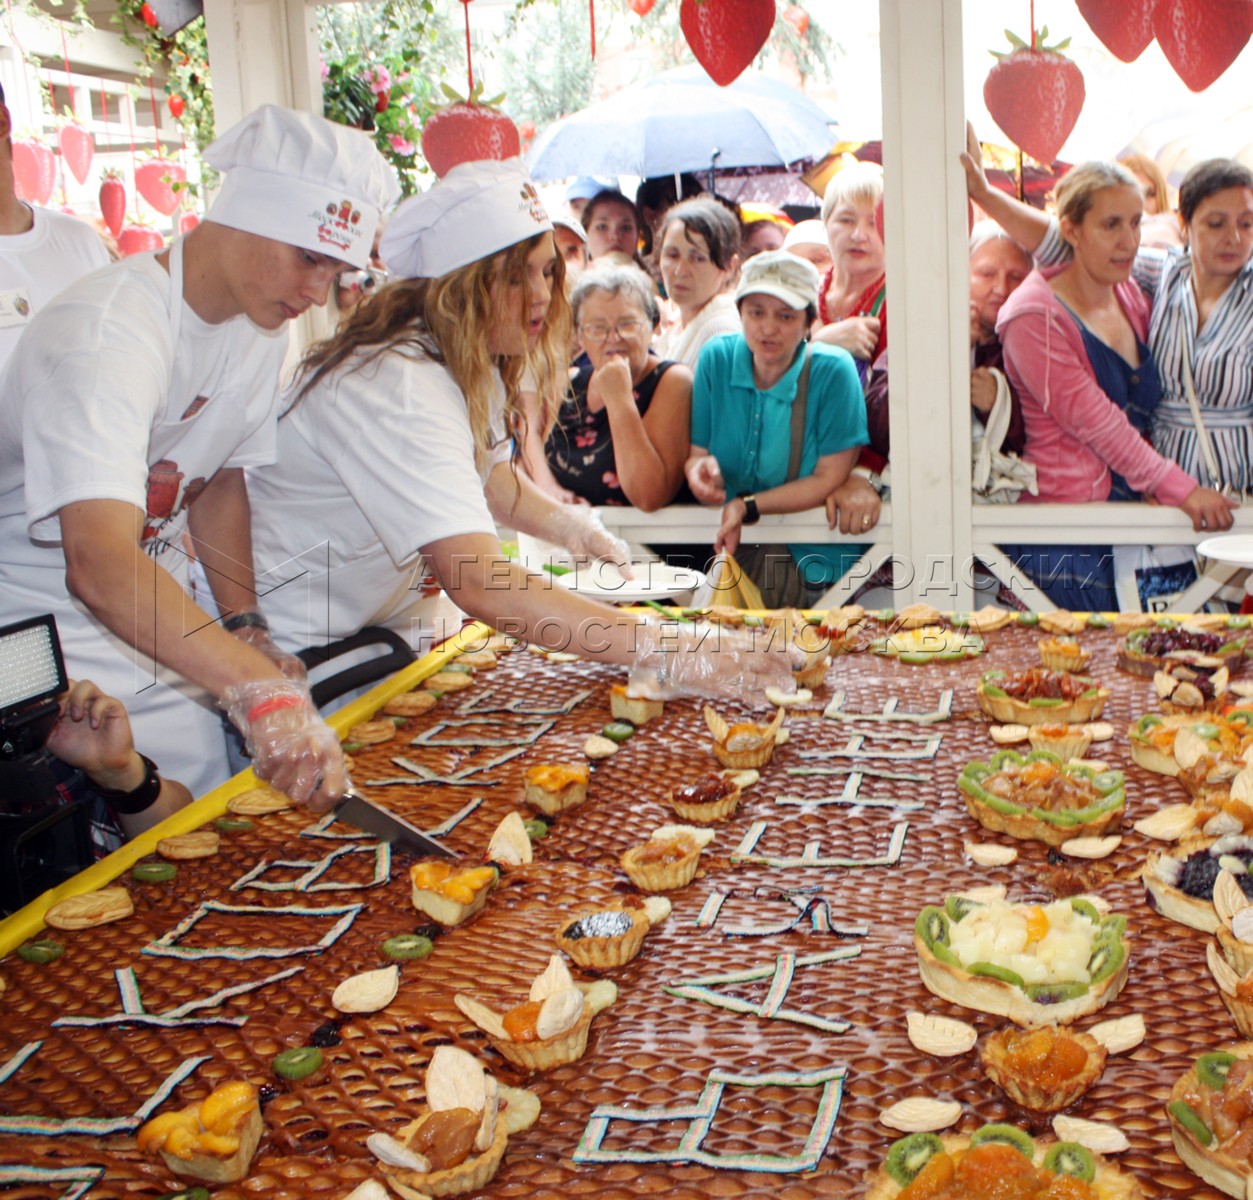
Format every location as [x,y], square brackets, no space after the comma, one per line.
[302,180]
[476,210]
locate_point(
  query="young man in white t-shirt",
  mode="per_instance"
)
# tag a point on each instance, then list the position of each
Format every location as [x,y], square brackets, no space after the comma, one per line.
[154,384]
[41,251]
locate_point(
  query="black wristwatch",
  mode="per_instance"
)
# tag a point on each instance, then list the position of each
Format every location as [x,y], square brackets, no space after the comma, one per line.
[138,798]
[751,514]
[246,620]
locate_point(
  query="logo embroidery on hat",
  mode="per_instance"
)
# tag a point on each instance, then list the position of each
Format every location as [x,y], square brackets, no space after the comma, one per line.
[338,226]
[532,202]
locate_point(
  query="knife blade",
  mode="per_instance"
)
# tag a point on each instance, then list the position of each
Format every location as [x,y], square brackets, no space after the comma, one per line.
[354,809]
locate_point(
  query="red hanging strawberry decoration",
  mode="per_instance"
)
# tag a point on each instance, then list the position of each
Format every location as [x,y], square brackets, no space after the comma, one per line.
[77,149]
[1035,95]
[187,222]
[1202,38]
[34,171]
[1124,26]
[177,105]
[154,181]
[641,8]
[468,131]
[147,16]
[135,239]
[725,35]
[797,18]
[113,201]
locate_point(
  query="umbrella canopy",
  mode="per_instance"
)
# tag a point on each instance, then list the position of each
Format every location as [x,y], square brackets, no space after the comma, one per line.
[681,120]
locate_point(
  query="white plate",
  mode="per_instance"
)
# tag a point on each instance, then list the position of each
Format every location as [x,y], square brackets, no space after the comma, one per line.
[652,581]
[1234,548]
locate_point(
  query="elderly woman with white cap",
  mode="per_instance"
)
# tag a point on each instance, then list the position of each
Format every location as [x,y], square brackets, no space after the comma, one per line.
[127,416]
[776,426]
[394,457]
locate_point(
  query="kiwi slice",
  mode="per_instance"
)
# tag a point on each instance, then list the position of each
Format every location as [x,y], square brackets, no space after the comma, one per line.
[959,906]
[1190,1119]
[909,1155]
[298,1063]
[989,970]
[457,668]
[1211,1069]
[399,722]
[1097,621]
[535,829]
[1108,954]
[983,796]
[1028,618]
[990,689]
[932,927]
[885,615]
[1046,702]
[195,1193]
[1005,1135]
[1115,923]
[960,620]
[1085,908]
[1238,621]
[1055,993]
[618,731]
[352,747]
[232,824]
[405,947]
[1070,1158]
[154,872]
[42,950]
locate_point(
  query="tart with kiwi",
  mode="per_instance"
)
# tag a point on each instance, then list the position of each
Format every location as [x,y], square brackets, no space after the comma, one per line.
[1038,696]
[1211,1117]
[1146,651]
[997,1160]
[1179,883]
[1044,1069]
[1035,964]
[1042,798]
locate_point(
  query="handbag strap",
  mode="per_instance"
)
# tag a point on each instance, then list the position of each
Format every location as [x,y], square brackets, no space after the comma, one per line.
[1202,434]
[799,407]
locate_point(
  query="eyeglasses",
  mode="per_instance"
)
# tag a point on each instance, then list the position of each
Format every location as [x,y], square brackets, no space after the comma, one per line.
[598,331]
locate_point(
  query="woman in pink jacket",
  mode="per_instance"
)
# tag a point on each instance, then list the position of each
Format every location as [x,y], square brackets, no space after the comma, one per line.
[1075,349]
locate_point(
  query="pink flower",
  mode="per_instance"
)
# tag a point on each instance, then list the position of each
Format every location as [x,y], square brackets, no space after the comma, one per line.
[400,145]
[326,71]
[379,80]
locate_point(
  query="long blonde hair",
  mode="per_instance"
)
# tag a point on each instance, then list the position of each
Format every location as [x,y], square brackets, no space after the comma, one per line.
[448,320]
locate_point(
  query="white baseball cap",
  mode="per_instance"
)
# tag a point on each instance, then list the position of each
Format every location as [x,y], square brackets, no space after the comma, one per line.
[781,274]
[302,180]
[476,210]
[806,233]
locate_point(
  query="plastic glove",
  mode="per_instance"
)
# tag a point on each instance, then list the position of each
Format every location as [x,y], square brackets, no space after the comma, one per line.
[672,659]
[258,637]
[581,531]
[291,747]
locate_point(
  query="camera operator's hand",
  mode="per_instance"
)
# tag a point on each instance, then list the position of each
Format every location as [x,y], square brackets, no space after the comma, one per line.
[93,733]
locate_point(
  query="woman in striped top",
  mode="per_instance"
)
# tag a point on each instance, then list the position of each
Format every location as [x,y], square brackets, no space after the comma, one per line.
[1202,318]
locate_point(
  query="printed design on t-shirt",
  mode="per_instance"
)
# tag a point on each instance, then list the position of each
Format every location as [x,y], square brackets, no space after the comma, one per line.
[167,497]
[194,407]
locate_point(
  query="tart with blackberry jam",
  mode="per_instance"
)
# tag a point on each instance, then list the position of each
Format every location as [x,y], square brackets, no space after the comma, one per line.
[1038,696]
[1145,651]
[1180,883]
[1211,1117]
[1041,797]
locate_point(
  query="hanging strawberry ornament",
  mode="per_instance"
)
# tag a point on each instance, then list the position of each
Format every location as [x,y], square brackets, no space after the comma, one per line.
[1124,26]
[1202,38]
[147,16]
[467,131]
[154,181]
[177,105]
[135,239]
[34,171]
[725,35]
[641,8]
[187,222]
[113,201]
[77,149]
[1035,95]
[797,18]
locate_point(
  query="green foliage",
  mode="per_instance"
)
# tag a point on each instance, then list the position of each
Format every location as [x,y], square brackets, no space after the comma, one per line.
[546,62]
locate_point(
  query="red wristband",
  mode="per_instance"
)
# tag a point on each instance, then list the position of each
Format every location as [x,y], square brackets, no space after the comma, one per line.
[274,704]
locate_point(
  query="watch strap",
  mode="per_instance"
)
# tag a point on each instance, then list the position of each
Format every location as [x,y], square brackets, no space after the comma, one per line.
[138,798]
[751,513]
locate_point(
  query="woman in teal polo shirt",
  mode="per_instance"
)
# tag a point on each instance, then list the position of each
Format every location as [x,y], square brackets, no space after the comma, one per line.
[776,426]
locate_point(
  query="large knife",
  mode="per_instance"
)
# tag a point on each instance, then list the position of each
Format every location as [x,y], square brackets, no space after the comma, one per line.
[354,809]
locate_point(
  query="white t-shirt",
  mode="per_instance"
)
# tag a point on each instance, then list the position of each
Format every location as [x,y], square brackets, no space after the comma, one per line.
[38,264]
[116,394]
[373,464]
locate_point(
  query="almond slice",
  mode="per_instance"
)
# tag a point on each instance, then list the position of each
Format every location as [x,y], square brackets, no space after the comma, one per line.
[487,1020]
[491,1107]
[989,854]
[696,833]
[783,735]
[657,908]
[1007,735]
[388,1150]
[1242,925]
[989,892]
[1242,785]
[941,1036]
[745,778]
[559,1012]
[520,1110]
[511,844]
[1098,731]
[1091,847]
[1189,746]
[781,699]
[368,992]
[599,747]
[715,723]
[562,656]
[1221,824]
[1168,824]
[369,1189]
[1223,972]
[599,995]
[1120,1034]
[921,1114]
[1229,897]
[555,978]
[455,1079]
[1095,1135]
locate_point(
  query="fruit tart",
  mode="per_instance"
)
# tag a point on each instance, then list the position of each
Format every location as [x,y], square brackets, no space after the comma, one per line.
[1038,696]
[550,1027]
[1041,797]
[1180,883]
[744,744]
[1234,910]
[1235,989]
[556,787]
[1211,1117]
[1044,1069]
[997,1160]
[712,797]
[1145,651]
[213,1140]
[1063,653]
[1196,687]
[669,858]
[1035,964]
[639,710]
[928,643]
[1207,769]
[605,938]
[449,895]
[1066,741]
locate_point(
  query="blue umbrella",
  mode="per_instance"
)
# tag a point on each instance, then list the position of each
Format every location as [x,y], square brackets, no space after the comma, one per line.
[681,120]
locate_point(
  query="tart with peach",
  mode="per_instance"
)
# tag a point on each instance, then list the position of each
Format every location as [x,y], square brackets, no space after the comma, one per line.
[448,895]
[669,858]
[213,1140]
[555,788]
[1044,1069]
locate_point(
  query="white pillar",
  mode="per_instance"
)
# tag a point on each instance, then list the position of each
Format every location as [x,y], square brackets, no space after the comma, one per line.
[928,299]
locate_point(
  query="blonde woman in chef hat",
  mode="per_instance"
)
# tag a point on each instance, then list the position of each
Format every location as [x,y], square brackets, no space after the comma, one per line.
[395,466]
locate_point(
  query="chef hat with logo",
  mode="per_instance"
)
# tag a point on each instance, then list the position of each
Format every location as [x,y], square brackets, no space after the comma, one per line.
[302,180]
[476,210]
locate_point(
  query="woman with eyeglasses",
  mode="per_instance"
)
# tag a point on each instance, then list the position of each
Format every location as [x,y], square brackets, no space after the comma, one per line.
[621,435]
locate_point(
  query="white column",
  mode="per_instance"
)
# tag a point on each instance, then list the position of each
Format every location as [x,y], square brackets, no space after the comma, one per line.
[927,273]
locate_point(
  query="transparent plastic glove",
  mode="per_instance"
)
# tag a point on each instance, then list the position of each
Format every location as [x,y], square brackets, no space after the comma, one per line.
[581,531]
[291,747]
[673,659]
[259,639]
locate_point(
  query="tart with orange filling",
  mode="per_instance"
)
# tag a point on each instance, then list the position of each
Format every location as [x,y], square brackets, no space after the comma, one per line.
[745,744]
[1063,653]
[1038,696]
[1044,1069]
[448,895]
[669,858]
[556,787]
[213,1140]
